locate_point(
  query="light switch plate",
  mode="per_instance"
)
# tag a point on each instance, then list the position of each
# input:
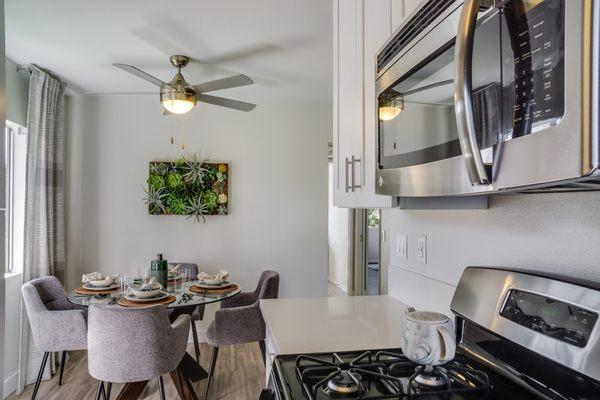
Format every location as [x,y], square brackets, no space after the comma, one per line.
[401,246]
[422,249]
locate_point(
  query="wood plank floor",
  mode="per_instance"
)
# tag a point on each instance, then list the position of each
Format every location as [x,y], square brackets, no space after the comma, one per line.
[239,375]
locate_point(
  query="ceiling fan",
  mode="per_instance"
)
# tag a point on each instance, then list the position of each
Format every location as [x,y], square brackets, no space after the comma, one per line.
[178,97]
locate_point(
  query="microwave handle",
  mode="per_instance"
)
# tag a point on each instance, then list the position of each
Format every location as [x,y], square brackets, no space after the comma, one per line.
[463,94]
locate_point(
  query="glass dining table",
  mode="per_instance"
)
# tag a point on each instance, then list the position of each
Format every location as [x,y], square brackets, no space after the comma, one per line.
[186,301]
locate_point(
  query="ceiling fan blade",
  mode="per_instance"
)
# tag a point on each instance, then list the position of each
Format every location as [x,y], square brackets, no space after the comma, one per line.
[140,74]
[226,83]
[223,102]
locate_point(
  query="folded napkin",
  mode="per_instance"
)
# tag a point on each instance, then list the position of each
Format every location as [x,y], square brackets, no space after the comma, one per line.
[150,285]
[92,276]
[174,268]
[222,276]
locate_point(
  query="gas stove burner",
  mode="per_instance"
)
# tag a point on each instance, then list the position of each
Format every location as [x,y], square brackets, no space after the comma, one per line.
[345,383]
[430,377]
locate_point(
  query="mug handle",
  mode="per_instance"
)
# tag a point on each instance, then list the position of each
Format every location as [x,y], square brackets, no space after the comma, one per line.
[447,353]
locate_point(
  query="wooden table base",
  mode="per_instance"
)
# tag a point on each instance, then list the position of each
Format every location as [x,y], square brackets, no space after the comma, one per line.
[187,371]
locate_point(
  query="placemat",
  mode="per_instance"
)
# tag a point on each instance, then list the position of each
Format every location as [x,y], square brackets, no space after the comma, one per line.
[227,289]
[128,303]
[82,290]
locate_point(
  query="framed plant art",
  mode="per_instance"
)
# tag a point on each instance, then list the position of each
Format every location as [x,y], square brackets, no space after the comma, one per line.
[187,187]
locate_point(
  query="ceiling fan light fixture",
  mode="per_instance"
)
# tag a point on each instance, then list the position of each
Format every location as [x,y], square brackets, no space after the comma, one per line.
[178,102]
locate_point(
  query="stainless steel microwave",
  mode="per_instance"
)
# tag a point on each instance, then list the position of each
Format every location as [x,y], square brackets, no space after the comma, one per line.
[486,96]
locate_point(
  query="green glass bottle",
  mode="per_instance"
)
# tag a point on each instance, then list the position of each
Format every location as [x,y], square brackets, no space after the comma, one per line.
[160,270]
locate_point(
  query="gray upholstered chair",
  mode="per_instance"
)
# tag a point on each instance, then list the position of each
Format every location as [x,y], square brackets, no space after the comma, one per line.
[56,324]
[240,321]
[198,313]
[134,344]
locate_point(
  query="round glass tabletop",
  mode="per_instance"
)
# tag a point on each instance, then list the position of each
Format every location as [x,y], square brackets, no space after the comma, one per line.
[184,298]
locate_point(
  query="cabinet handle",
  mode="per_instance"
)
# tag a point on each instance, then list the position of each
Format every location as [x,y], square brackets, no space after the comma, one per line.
[354,160]
[348,163]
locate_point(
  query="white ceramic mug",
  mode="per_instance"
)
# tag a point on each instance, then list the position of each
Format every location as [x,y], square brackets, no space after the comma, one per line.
[429,338]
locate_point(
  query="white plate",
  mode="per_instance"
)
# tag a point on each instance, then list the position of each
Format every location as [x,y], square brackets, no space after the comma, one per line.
[161,296]
[203,285]
[99,288]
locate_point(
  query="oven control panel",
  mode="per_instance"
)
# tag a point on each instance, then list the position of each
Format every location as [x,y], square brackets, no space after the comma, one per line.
[550,317]
[533,48]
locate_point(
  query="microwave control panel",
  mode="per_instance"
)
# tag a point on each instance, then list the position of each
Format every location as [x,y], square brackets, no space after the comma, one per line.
[550,317]
[533,47]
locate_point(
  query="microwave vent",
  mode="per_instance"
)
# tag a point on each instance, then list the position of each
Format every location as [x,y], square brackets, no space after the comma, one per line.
[417,24]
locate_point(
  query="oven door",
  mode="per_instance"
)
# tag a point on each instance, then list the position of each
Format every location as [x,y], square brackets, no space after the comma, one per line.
[419,144]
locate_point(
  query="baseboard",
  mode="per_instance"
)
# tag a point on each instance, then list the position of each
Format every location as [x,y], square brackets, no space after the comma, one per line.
[336,283]
[10,384]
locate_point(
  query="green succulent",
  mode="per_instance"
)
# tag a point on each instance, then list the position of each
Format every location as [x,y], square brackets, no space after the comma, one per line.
[174,181]
[159,168]
[221,177]
[222,210]
[176,204]
[196,209]
[155,199]
[210,199]
[156,181]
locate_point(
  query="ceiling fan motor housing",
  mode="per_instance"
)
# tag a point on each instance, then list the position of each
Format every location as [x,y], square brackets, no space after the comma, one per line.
[177,89]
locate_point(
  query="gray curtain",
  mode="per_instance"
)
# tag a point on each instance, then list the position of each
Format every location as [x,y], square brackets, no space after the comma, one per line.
[44,200]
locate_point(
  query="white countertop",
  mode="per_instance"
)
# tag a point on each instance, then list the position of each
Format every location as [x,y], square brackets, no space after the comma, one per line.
[334,323]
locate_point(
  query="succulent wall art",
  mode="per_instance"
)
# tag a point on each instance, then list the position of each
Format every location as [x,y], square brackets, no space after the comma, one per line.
[187,187]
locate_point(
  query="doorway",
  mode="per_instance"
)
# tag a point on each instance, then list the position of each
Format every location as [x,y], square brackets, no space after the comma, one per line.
[366,280]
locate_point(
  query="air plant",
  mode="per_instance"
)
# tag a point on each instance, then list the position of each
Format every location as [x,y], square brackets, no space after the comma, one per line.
[194,171]
[155,200]
[196,209]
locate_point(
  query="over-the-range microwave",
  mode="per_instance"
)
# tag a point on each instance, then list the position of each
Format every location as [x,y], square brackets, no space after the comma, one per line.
[479,97]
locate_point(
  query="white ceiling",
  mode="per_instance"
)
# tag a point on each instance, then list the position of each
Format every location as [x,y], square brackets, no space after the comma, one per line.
[284,45]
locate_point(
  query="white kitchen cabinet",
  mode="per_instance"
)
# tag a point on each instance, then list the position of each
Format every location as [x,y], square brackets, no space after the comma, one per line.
[397,16]
[347,101]
[360,28]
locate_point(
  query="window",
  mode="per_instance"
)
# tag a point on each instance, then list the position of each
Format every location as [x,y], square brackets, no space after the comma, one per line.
[16,166]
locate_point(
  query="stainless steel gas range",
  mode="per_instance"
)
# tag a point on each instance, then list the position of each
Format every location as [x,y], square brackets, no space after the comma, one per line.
[519,336]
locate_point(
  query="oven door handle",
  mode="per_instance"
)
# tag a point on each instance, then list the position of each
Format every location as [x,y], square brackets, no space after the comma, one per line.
[463,94]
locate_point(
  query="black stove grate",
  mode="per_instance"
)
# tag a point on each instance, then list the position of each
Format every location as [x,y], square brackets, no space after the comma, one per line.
[386,369]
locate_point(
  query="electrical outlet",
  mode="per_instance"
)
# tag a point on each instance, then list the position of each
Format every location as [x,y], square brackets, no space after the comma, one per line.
[401,246]
[422,249]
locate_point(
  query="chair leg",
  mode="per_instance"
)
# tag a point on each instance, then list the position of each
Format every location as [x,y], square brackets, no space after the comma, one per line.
[40,375]
[108,390]
[263,351]
[62,367]
[100,390]
[211,369]
[161,388]
[196,344]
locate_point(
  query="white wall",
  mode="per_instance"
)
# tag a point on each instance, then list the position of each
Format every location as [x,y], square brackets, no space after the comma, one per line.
[557,233]
[338,240]
[278,190]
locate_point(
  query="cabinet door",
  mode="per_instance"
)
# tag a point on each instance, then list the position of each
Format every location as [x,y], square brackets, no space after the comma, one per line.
[347,101]
[397,9]
[410,5]
[377,29]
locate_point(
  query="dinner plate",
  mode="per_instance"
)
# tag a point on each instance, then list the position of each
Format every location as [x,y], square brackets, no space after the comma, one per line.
[89,286]
[222,285]
[160,296]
